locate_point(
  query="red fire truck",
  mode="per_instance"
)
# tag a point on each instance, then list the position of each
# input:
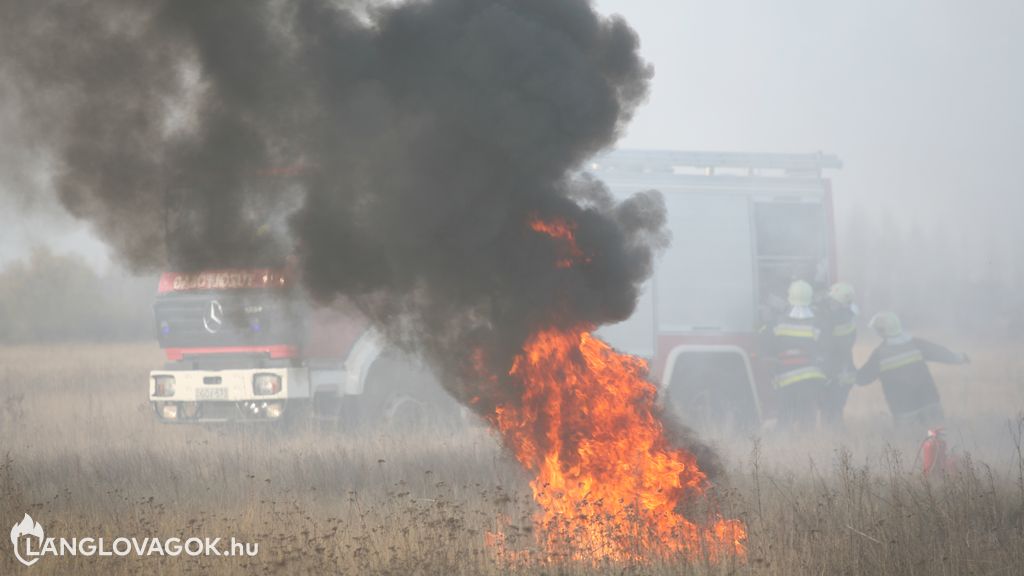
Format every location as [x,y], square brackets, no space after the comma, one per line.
[743,227]
[244,345]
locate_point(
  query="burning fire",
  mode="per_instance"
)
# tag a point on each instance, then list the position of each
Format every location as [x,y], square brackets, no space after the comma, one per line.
[561,230]
[608,482]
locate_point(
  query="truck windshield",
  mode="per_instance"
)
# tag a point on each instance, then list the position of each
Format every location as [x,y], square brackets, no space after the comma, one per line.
[227,319]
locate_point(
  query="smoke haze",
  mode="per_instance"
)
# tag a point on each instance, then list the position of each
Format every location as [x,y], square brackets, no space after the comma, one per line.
[399,151]
[921,101]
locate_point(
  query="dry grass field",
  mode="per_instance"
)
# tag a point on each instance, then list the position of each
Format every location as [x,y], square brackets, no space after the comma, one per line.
[83,455]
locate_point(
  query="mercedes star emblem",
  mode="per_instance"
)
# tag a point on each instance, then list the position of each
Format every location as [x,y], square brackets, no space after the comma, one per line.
[213,321]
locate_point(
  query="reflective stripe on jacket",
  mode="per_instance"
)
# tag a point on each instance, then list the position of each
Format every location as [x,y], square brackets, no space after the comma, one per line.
[799,375]
[902,367]
[840,330]
[796,331]
[794,345]
[900,360]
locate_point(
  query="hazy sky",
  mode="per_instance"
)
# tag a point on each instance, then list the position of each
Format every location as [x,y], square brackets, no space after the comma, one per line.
[923,100]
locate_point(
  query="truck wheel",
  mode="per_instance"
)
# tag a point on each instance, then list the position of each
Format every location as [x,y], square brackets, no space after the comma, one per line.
[405,411]
[398,394]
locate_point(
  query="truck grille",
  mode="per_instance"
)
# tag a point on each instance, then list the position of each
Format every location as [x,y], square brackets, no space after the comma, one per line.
[210,319]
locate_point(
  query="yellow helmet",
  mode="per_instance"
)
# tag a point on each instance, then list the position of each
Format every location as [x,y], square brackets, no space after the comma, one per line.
[842,292]
[887,324]
[800,293]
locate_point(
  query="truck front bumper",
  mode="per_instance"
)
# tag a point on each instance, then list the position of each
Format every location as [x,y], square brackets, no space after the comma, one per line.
[180,396]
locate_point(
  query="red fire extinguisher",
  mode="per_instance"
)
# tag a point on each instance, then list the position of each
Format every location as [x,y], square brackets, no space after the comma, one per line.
[934,452]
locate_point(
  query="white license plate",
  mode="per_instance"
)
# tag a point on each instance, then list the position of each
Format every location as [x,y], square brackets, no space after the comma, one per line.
[211,394]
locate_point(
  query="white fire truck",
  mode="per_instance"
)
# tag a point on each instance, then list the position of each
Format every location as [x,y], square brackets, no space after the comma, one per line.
[743,227]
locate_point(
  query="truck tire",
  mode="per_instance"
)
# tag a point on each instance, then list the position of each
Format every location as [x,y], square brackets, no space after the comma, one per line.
[400,395]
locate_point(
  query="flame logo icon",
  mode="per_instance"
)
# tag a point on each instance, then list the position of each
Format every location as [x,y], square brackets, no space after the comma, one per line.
[27,527]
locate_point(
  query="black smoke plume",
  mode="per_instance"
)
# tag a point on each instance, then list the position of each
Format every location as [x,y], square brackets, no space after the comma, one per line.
[399,151]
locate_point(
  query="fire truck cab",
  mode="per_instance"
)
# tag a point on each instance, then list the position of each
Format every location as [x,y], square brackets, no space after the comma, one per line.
[743,227]
[241,346]
[246,345]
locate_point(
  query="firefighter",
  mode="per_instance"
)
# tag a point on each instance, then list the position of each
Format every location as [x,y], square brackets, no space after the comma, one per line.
[838,314]
[794,347]
[900,363]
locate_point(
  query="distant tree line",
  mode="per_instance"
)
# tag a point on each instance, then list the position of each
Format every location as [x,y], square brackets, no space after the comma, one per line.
[943,278]
[50,297]
[951,277]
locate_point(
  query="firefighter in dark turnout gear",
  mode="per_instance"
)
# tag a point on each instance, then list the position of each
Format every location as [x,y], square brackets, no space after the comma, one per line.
[838,315]
[793,344]
[900,363]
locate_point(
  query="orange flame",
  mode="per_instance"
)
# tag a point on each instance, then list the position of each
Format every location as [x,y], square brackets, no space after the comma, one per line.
[561,230]
[608,483]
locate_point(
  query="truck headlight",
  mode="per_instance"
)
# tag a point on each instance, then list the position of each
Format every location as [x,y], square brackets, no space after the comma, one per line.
[163,386]
[169,411]
[273,410]
[266,384]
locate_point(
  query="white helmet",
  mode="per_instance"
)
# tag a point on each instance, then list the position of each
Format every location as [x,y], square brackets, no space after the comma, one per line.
[887,325]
